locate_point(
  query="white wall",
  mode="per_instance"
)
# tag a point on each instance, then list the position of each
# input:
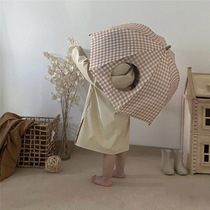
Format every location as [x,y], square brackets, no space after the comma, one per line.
[29,28]
[1,86]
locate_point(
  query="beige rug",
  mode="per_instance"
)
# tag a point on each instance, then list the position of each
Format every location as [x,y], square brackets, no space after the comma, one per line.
[144,188]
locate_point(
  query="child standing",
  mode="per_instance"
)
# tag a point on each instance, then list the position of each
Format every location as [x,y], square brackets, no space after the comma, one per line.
[101,129]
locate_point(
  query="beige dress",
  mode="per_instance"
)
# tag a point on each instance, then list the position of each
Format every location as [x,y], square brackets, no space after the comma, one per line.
[101,129]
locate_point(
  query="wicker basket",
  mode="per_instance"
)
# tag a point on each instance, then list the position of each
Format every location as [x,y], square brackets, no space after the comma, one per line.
[38,142]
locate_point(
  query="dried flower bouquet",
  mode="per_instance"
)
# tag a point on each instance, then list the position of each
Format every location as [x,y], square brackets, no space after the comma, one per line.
[66,78]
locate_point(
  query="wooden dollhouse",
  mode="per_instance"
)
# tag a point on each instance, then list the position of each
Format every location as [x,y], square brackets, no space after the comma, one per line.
[196,122]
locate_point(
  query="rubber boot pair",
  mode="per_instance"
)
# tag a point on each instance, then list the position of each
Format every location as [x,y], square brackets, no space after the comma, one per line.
[166,166]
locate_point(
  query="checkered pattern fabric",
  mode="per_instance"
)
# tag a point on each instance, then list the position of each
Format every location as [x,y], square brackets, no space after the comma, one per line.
[135,44]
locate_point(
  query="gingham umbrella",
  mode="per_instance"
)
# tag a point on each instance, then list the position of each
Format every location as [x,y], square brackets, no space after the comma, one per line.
[138,45]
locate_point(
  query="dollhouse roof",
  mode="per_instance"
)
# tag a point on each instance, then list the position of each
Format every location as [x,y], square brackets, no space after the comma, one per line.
[199,84]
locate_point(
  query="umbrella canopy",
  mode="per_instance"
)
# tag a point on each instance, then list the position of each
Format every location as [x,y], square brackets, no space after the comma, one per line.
[138,45]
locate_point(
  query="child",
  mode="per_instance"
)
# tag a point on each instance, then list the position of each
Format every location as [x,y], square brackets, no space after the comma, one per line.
[101,129]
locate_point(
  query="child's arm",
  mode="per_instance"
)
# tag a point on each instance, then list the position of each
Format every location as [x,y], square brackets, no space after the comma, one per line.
[80,59]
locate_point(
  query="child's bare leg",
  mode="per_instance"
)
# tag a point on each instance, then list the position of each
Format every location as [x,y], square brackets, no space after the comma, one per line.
[120,166]
[108,166]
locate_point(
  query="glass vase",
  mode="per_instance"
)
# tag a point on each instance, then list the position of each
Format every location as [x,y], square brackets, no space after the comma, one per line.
[65,152]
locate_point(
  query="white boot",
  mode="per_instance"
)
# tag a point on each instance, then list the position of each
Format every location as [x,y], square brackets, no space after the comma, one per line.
[178,163]
[166,166]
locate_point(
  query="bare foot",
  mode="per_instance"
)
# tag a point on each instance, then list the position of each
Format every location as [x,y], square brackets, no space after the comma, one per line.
[102,181]
[117,174]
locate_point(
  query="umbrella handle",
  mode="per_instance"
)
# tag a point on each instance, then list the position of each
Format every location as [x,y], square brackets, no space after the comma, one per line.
[168,47]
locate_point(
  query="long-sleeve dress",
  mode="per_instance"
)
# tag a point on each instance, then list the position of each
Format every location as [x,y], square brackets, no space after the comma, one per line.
[101,128]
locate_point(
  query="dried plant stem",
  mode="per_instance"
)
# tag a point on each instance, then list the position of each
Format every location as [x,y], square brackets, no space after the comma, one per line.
[65,110]
[66,78]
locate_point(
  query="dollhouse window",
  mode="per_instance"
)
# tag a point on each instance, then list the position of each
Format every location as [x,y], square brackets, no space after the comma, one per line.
[206,153]
[207,117]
